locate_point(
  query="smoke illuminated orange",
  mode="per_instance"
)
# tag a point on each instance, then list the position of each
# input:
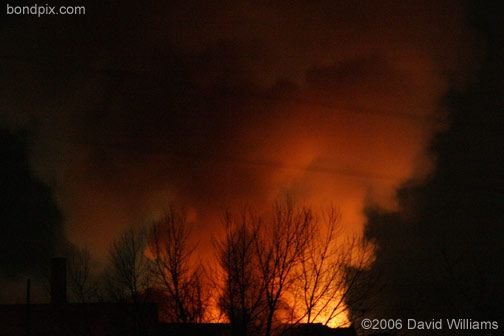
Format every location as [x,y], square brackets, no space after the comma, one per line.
[332,103]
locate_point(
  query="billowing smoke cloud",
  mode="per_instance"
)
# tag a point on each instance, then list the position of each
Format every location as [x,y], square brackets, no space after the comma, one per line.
[216,106]
[31,222]
[438,258]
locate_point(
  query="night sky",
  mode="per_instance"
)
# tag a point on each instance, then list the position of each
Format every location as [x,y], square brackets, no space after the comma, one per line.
[389,110]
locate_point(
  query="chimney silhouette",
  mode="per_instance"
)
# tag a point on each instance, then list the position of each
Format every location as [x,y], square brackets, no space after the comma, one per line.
[58,280]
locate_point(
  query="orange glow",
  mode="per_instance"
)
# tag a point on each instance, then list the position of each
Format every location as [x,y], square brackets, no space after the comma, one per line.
[336,112]
[267,100]
[340,320]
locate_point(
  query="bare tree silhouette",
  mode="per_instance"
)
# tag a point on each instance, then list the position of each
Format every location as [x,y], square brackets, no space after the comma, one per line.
[82,286]
[174,271]
[289,267]
[331,267]
[243,299]
[282,268]
[279,248]
[130,270]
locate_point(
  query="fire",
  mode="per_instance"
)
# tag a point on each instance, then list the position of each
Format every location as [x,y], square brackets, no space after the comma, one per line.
[312,103]
[341,320]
